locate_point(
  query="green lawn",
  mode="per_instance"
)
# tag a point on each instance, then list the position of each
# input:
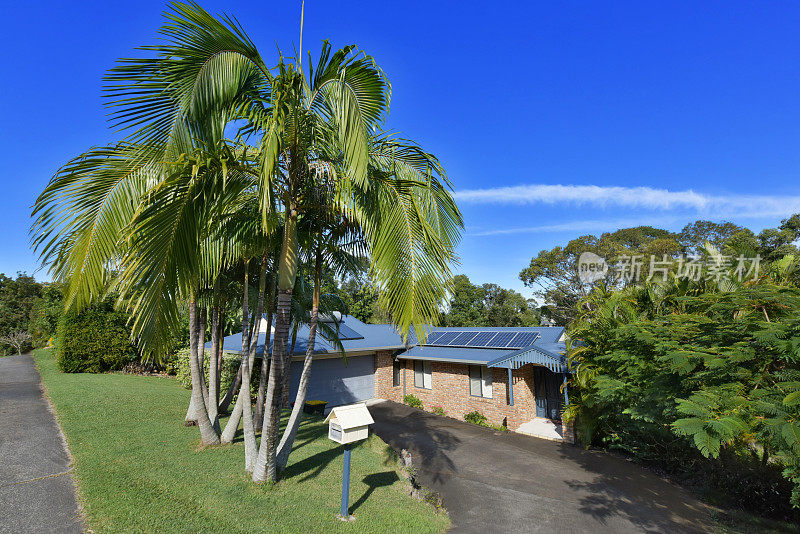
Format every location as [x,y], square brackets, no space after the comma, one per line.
[139,469]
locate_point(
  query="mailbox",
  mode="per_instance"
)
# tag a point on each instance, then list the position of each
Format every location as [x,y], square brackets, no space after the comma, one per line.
[347,424]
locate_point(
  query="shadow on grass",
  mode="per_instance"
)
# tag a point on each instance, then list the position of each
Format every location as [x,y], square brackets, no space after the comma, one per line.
[375,480]
[313,465]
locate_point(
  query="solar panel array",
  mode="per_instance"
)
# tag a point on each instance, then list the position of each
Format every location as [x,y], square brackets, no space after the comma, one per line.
[507,339]
[345,333]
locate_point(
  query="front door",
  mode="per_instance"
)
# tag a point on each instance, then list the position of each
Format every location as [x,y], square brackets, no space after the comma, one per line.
[549,402]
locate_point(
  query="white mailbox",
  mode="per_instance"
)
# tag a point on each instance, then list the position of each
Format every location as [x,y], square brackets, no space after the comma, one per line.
[347,424]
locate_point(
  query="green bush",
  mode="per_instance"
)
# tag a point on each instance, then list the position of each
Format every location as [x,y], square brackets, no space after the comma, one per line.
[413,401]
[476,418]
[230,366]
[94,340]
[438,410]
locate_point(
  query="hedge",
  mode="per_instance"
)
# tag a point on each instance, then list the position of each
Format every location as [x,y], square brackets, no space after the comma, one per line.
[94,340]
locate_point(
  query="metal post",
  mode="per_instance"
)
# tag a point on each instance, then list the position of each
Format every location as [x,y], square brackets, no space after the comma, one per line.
[346,483]
[510,387]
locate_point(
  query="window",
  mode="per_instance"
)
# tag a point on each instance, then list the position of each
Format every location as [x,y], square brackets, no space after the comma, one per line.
[422,374]
[396,368]
[480,381]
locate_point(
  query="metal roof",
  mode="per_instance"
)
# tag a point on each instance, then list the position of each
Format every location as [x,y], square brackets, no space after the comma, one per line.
[453,354]
[375,337]
[546,350]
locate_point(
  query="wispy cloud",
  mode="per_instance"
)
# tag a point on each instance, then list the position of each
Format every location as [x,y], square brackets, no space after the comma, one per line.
[647,198]
[592,226]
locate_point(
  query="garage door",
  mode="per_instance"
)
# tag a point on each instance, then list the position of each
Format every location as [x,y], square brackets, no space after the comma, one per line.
[335,382]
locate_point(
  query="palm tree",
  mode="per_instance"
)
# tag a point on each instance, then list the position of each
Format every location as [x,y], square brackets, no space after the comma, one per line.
[145,205]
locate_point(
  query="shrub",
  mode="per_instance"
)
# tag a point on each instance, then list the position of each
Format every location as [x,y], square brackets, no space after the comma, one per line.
[476,418]
[230,366]
[95,340]
[438,410]
[413,401]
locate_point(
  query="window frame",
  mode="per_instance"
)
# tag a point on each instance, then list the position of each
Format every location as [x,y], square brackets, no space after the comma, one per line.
[486,391]
[397,370]
[425,368]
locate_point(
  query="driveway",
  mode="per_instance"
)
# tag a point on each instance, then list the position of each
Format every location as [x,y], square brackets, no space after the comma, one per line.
[37,493]
[506,482]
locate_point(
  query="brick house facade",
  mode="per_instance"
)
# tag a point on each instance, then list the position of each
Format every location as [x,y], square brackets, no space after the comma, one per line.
[450,390]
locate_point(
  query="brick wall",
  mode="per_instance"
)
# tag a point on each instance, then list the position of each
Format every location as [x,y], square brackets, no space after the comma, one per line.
[383,377]
[450,390]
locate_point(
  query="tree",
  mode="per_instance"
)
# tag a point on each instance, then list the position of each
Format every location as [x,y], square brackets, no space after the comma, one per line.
[16,339]
[45,314]
[150,204]
[17,299]
[662,369]
[488,305]
[694,236]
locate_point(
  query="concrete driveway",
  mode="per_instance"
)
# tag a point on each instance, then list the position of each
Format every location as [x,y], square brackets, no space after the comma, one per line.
[506,482]
[37,493]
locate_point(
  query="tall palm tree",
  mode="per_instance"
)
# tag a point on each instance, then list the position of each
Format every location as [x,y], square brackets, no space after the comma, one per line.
[144,205]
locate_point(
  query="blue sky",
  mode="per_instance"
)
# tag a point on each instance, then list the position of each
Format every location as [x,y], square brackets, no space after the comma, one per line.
[553,120]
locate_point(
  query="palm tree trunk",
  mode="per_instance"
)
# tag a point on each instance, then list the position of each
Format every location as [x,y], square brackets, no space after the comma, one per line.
[207,433]
[236,383]
[250,447]
[201,352]
[287,365]
[262,382]
[213,368]
[222,318]
[289,434]
[287,272]
[233,421]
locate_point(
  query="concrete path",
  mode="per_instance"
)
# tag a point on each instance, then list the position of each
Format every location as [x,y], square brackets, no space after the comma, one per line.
[37,493]
[506,482]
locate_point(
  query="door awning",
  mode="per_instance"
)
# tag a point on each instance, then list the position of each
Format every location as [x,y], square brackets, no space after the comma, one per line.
[535,355]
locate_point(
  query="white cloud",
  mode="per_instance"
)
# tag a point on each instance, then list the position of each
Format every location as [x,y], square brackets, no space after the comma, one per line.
[591,226]
[725,206]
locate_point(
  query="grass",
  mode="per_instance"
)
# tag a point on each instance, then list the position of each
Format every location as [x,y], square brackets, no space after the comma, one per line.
[139,469]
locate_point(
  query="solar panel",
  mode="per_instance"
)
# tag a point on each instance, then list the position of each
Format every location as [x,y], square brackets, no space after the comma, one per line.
[433,337]
[462,339]
[502,338]
[483,339]
[523,339]
[345,332]
[446,338]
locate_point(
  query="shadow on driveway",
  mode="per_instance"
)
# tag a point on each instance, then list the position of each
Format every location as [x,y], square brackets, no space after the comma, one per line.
[502,481]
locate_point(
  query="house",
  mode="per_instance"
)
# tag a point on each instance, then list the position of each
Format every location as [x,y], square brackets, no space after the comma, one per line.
[512,376]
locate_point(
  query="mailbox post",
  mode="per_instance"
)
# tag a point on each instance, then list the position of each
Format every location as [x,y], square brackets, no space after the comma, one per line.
[346,425]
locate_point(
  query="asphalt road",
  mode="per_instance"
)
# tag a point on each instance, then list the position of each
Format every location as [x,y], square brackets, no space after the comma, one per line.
[506,482]
[37,492]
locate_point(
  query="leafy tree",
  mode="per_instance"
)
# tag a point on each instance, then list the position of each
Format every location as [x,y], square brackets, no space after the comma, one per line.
[45,314]
[664,369]
[466,306]
[18,297]
[694,236]
[488,305]
[553,274]
[554,277]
